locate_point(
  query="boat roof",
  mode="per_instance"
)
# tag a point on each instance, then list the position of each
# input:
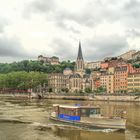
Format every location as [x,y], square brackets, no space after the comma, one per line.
[75,106]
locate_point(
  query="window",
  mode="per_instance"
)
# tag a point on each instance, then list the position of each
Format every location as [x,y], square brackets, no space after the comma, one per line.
[84,113]
[94,111]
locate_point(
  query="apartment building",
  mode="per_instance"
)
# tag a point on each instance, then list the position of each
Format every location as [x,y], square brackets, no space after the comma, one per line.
[134,82]
[103,80]
[120,79]
[93,65]
[110,83]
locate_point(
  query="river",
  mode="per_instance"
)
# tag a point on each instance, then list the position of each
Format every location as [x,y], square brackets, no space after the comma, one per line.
[24,119]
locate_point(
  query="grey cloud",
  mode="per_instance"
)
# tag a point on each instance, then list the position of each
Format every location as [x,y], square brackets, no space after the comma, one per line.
[126,12]
[97,48]
[41,6]
[63,49]
[57,14]
[3,24]
[51,12]
[131,14]
[132,5]
[133,33]
[1,27]
[74,30]
[101,47]
[11,48]
[68,28]
[94,12]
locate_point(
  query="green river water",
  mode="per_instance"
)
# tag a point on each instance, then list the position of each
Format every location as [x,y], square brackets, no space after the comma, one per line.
[24,119]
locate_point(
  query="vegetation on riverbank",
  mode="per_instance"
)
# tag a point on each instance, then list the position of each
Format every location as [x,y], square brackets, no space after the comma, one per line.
[30,65]
[22,81]
[28,74]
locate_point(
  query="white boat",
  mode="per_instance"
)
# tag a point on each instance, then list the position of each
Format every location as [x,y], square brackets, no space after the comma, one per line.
[86,116]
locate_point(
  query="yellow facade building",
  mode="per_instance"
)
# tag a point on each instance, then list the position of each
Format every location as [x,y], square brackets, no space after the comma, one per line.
[134,82]
[110,83]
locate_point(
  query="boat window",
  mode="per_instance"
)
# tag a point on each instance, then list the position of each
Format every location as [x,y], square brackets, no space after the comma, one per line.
[55,108]
[98,111]
[84,112]
[66,111]
[95,111]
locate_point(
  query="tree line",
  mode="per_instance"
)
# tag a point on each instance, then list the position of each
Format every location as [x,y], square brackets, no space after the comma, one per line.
[22,81]
[28,74]
[38,66]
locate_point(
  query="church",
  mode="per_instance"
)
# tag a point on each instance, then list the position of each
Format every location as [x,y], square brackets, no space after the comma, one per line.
[72,81]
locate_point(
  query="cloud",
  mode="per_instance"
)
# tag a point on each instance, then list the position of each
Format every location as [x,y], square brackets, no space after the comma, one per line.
[38,6]
[3,24]
[101,47]
[93,49]
[130,14]
[105,27]
[63,48]
[43,5]
[87,13]
[133,33]
[11,47]
[59,14]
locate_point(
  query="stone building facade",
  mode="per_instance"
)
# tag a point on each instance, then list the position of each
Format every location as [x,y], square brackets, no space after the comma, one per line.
[93,65]
[56,82]
[49,60]
[79,80]
[74,81]
[136,55]
[128,55]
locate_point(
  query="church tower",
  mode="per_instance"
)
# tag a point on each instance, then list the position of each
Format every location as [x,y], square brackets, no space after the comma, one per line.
[80,61]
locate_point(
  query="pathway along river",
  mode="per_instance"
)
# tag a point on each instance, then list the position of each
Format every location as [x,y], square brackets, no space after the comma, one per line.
[28,120]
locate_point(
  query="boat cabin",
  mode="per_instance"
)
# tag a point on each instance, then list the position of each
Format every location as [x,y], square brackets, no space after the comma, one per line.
[75,113]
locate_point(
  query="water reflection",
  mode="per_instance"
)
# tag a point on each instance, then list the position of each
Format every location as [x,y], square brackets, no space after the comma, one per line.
[28,120]
[87,135]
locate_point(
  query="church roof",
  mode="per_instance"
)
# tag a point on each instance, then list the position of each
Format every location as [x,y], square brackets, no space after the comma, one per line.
[80,55]
[76,75]
[86,76]
[54,57]
[67,68]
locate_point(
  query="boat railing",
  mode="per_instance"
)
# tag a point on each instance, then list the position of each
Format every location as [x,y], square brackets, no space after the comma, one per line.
[120,114]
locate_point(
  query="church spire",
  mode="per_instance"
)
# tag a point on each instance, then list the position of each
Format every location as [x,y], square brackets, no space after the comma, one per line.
[80,61]
[80,56]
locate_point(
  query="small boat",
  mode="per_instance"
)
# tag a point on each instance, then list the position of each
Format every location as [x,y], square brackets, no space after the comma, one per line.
[86,116]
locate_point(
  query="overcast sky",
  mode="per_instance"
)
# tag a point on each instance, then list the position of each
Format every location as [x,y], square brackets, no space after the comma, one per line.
[29,28]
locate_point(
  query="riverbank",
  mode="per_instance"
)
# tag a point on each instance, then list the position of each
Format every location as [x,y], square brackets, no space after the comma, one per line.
[99,98]
[88,98]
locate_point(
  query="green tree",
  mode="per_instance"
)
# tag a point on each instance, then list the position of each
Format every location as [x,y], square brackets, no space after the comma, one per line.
[88,71]
[65,90]
[22,80]
[88,90]
[50,90]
